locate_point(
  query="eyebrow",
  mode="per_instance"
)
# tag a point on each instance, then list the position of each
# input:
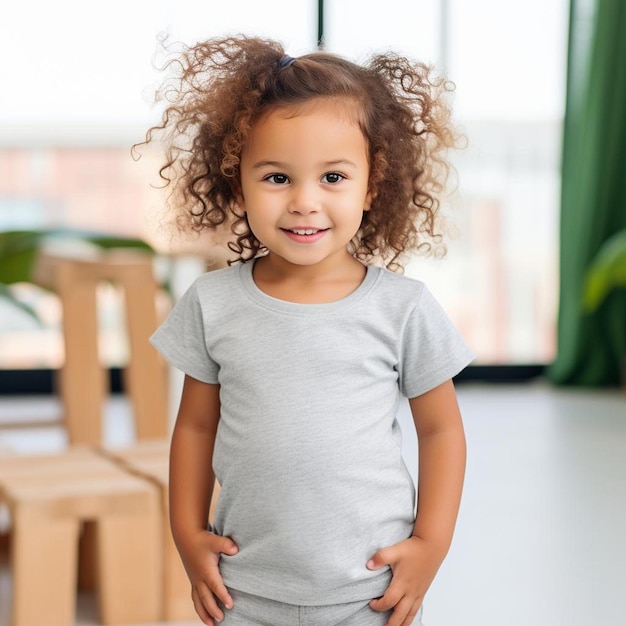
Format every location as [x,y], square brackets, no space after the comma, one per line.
[278,164]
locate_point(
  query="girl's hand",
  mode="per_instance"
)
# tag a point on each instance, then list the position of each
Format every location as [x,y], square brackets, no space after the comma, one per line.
[414,563]
[201,557]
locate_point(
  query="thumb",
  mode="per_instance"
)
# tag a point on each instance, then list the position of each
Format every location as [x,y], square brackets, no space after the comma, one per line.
[227,546]
[380,559]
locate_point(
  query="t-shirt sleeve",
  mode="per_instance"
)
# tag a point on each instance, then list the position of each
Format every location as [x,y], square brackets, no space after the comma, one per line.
[181,339]
[433,351]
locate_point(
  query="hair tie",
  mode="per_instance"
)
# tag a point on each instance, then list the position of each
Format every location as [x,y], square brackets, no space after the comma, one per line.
[285,61]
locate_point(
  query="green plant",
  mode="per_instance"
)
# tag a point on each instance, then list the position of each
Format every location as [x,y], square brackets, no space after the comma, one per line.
[19,250]
[606,272]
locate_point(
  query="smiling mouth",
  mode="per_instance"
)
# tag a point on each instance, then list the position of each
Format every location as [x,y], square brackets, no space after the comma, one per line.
[305,235]
[304,231]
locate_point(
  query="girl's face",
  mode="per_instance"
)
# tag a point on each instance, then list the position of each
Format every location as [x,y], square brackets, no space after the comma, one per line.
[304,183]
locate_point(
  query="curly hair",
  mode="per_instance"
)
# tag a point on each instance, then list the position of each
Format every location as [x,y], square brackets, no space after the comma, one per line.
[219,88]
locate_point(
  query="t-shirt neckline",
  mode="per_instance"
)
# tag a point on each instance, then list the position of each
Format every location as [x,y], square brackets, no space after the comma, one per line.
[263,299]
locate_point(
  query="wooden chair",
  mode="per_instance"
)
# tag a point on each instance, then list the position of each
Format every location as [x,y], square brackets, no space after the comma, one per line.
[50,498]
[82,376]
[78,497]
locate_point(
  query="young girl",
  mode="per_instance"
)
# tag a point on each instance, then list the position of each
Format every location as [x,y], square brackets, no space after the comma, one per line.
[296,356]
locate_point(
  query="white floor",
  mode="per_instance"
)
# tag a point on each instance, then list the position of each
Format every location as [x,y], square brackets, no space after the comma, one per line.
[541,538]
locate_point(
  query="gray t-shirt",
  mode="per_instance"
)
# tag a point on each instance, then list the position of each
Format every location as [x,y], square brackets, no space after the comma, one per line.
[308,451]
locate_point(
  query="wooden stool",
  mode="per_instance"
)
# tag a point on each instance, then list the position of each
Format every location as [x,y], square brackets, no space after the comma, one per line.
[150,460]
[83,384]
[49,498]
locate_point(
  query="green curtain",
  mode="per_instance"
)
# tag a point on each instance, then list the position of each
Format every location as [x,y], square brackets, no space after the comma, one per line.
[591,348]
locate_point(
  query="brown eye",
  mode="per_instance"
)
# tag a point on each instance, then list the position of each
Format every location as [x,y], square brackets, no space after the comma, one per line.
[277,179]
[332,177]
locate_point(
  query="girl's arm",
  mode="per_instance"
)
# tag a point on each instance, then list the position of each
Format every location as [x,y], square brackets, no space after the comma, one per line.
[442,453]
[190,491]
[415,561]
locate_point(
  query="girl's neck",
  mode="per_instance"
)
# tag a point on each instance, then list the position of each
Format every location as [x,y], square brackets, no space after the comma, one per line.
[304,284]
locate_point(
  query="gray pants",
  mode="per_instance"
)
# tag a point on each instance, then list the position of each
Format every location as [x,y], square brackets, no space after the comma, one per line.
[251,610]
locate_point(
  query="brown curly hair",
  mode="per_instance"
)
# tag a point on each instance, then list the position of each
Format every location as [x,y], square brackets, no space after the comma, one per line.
[218,90]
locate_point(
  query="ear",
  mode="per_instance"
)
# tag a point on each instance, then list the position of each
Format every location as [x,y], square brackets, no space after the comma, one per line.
[238,194]
[368,200]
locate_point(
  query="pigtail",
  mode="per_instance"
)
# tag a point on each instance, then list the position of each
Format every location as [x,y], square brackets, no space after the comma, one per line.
[410,140]
[212,92]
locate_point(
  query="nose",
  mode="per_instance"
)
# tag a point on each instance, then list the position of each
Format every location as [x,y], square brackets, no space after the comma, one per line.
[304,200]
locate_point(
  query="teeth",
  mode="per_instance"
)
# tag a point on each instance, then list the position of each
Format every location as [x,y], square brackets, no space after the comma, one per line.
[305,231]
